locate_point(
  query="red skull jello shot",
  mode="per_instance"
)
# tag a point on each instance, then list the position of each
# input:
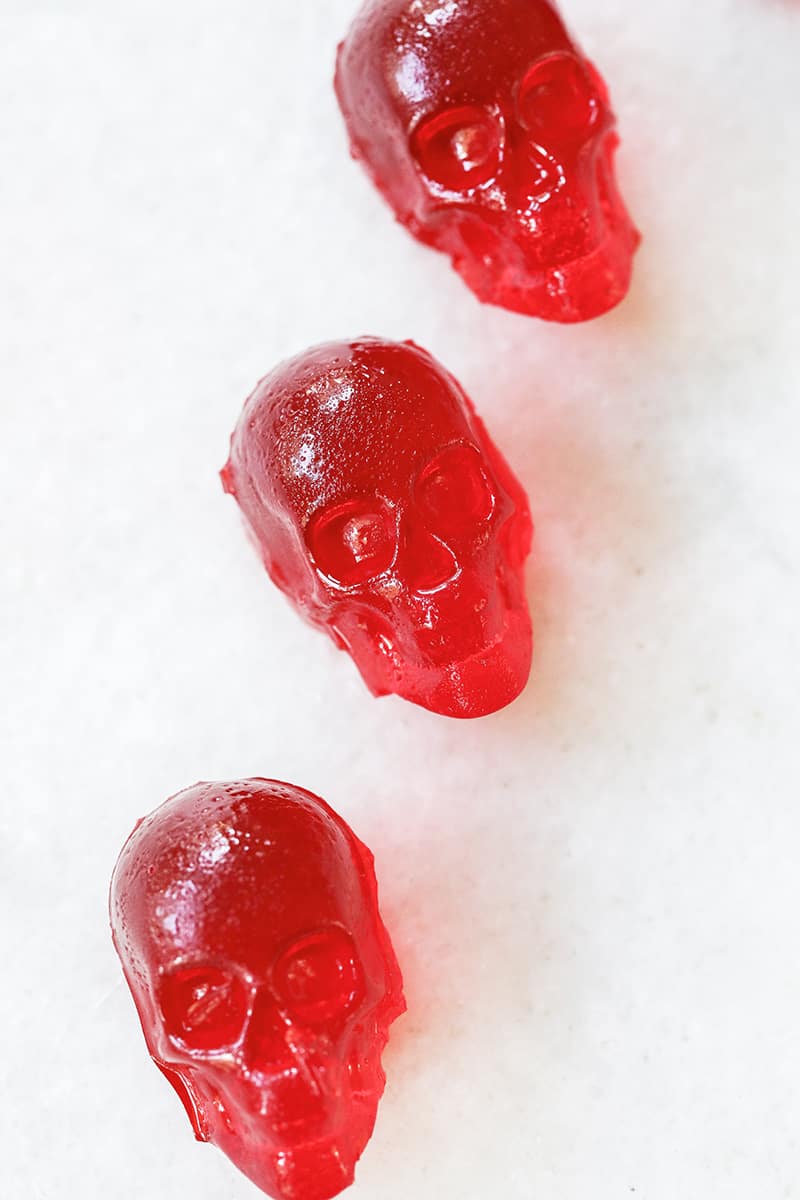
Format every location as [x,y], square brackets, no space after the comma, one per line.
[246,919]
[492,138]
[387,515]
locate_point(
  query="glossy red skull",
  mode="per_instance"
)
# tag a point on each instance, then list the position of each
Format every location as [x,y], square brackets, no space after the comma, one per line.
[387,515]
[493,140]
[246,919]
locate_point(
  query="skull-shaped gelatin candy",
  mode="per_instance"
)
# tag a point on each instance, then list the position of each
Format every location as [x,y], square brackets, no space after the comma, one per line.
[384,511]
[493,140]
[246,918]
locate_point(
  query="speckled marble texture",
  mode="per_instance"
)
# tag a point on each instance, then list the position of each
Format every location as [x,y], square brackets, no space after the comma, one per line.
[594,894]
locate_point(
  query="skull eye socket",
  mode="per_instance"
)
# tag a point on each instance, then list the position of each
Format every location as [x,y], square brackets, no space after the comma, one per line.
[459,148]
[354,542]
[558,100]
[319,977]
[204,1008]
[454,492]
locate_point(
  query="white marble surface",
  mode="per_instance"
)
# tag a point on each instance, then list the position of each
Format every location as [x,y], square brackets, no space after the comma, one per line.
[595,894]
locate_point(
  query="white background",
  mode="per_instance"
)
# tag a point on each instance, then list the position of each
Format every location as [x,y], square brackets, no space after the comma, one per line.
[595,894]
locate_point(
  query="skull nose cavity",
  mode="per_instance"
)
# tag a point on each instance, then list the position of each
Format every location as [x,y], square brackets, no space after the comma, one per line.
[288,1075]
[426,564]
[266,1048]
[545,172]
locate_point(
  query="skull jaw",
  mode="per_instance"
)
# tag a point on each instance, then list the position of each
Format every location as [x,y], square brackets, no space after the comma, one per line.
[581,290]
[578,289]
[485,682]
[313,1173]
[314,1169]
[475,686]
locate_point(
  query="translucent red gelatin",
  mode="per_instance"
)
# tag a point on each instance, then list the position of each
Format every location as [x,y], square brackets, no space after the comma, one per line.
[246,919]
[493,140]
[387,515]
